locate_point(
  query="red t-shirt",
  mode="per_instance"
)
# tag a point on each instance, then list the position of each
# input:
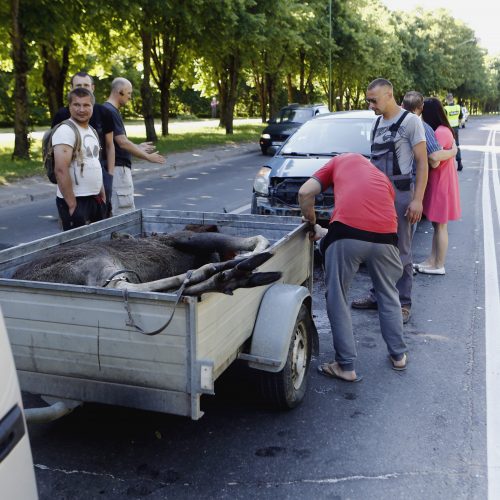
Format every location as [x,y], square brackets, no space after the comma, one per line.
[364,196]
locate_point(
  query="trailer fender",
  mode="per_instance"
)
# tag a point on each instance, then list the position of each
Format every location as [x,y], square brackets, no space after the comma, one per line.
[274,326]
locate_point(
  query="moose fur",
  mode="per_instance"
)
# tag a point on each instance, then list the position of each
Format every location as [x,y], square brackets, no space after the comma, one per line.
[157,263]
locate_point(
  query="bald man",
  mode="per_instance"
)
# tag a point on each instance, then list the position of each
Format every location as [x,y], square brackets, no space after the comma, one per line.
[123,186]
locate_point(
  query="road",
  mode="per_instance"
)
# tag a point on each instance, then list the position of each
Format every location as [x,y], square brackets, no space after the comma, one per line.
[432,432]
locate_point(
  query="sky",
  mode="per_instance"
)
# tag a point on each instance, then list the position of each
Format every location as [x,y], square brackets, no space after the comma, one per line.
[482,16]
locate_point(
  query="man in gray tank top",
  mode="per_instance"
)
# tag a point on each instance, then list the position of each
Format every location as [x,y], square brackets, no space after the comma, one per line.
[398,138]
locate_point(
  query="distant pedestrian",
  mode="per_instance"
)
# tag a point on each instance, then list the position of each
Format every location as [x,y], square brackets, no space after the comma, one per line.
[442,196]
[123,186]
[102,121]
[213,106]
[363,229]
[80,196]
[454,113]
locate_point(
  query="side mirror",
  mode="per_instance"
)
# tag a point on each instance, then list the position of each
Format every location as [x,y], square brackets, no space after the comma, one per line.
[272,150]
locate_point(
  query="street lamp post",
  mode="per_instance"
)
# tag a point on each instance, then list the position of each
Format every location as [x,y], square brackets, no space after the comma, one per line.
[330,59]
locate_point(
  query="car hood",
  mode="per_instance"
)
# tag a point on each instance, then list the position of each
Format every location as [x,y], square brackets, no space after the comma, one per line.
[296,167]
[281,128]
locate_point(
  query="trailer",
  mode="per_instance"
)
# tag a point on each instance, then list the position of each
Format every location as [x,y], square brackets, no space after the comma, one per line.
[74,344]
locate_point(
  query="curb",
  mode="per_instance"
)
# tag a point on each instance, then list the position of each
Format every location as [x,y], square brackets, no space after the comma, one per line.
[38,188]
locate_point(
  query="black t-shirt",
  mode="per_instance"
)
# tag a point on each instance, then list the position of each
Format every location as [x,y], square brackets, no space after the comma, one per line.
[122,157]
[101,120]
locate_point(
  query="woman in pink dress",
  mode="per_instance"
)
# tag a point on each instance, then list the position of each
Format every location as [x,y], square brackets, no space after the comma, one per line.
[442,195]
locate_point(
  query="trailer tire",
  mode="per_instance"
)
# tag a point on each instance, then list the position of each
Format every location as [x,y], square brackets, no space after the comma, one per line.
[286,388]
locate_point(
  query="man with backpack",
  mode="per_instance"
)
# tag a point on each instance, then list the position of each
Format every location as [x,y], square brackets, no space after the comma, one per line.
[80,191]
[102,122]
[398,138]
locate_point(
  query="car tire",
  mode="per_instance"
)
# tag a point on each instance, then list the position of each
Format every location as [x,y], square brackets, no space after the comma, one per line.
[286,389]
[264,151]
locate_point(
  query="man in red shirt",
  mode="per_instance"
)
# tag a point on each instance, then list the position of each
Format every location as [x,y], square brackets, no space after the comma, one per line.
[363,229]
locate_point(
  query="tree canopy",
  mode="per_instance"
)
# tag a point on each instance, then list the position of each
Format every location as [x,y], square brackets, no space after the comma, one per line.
[253,55]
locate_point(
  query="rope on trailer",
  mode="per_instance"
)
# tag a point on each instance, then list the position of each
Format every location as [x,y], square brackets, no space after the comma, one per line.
[179,293]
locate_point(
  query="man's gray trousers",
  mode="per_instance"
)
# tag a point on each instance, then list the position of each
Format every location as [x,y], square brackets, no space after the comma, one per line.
[342,261]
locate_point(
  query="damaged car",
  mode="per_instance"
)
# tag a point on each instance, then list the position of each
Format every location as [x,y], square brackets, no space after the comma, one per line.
[276,185]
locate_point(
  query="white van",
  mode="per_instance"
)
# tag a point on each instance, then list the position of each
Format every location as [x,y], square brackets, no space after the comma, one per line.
[17,475]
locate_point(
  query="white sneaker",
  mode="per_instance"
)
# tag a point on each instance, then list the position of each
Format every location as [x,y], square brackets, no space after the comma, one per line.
[431,270]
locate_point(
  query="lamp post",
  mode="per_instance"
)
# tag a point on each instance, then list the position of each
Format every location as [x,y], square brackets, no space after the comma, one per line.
[330,59]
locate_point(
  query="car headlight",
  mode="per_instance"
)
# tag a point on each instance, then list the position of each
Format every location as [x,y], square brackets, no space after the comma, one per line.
[265,136]
[261,181]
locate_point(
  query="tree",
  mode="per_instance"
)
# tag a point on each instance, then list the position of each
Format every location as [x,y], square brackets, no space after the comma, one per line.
[230,31]
[21,68]
[175,26]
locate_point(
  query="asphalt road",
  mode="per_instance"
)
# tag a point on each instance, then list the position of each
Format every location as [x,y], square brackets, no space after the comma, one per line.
[427,433]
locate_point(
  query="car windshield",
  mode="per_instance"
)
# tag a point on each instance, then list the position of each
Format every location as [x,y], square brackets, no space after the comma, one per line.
[294,115]
[346,135]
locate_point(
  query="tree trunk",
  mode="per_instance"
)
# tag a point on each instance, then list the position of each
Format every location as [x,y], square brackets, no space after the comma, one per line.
[54,75]
[289,86]
[228,91]
[21,67]
[146,93]
[261,93]
[270,86]
[164,110]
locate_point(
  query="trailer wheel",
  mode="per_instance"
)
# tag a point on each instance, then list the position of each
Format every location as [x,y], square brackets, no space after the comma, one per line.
[286,389]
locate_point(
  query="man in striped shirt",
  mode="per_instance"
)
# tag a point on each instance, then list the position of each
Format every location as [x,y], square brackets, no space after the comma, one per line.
[413,101]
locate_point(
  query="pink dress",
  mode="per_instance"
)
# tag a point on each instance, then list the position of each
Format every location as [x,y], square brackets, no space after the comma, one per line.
[442,195]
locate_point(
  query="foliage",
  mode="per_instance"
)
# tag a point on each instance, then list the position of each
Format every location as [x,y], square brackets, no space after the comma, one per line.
[253,55]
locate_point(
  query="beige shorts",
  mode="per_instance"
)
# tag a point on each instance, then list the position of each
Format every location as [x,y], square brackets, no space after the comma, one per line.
[122,198]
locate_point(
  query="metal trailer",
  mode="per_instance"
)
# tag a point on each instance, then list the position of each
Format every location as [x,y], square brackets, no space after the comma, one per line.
[78,344]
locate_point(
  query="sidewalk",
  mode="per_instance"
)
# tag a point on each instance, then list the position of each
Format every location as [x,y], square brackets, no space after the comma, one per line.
[39,188]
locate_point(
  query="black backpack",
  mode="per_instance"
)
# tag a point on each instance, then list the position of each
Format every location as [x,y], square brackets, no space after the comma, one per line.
[48,149]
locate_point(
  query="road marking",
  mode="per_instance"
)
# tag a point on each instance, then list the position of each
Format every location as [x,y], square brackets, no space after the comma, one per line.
[241,209]
[492,321]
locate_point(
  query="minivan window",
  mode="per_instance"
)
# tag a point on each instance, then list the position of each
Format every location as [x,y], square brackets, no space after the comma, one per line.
[331,136]
[294,115]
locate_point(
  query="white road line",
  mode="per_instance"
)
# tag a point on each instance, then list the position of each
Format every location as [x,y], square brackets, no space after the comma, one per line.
[241,209]
[492,322]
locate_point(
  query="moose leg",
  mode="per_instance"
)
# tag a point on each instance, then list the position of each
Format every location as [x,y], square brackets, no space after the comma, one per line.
[242,277]
[225,245]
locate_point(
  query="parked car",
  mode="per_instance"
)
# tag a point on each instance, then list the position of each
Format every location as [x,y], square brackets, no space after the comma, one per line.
[277,183]
[17,475]
[289,119]
[465,117]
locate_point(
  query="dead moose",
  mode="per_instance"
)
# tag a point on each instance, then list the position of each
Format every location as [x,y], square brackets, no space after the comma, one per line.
[198,258]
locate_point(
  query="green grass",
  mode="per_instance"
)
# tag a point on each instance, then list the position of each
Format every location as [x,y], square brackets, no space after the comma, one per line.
[177,141]
[12,170]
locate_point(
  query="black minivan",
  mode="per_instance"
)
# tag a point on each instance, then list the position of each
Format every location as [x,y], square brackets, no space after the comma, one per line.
[289,119]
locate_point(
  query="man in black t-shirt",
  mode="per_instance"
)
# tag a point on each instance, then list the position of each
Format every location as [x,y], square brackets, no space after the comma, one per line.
[123,186]
[102,122]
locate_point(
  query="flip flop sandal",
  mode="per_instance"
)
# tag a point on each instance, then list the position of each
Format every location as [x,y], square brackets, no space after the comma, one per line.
[332,374]
[399,368]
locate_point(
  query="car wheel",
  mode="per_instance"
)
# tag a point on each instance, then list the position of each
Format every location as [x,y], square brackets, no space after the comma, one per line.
[287,388]
[264,150]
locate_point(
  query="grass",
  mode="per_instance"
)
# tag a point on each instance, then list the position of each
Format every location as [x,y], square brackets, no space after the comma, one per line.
[181,138]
